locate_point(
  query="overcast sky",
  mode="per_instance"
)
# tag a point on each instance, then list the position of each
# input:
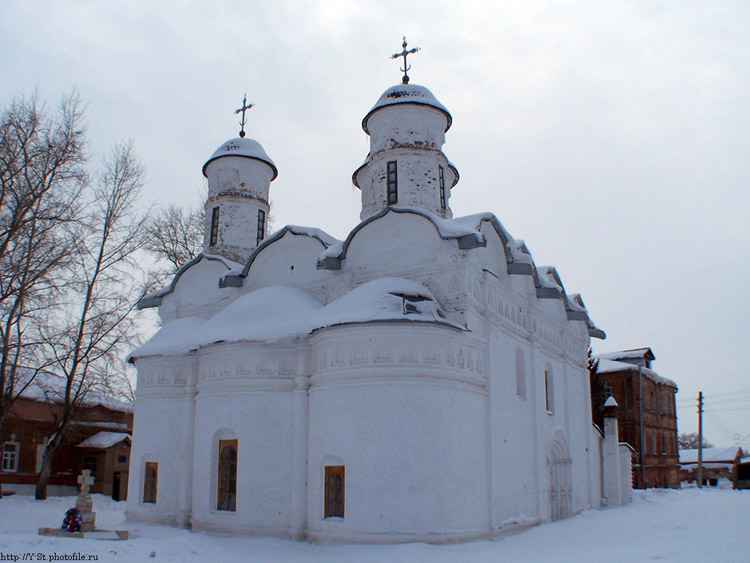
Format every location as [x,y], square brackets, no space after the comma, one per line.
[613,137]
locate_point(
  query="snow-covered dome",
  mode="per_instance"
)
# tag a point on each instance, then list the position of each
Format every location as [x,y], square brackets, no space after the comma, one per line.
[408,94]
[245,147]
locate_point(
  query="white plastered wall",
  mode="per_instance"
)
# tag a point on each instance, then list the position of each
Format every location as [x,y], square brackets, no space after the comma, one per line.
[403,408]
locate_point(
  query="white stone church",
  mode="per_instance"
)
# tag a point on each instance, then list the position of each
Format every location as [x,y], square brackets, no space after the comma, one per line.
[422,380]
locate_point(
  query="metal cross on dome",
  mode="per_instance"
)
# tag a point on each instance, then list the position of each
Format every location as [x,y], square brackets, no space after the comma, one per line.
[405,79]
[243,109]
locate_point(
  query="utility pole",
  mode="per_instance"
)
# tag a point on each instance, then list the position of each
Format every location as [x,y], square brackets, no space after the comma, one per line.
[700,439]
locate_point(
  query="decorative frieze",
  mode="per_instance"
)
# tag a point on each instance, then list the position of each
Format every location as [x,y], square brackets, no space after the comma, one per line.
[424,351]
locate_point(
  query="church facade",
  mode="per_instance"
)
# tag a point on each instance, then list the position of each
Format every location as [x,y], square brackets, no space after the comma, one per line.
[421,380]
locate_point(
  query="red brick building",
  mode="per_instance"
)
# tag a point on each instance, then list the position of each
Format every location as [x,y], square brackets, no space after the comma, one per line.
[646,414]
[99,439]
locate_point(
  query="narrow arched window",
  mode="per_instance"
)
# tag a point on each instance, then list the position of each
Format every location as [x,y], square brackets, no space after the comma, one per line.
[150,481]
[441,173]
[214,237]
[334,491]
[261,225]
[549,392]
[392,183]
[227,496]
[520,374]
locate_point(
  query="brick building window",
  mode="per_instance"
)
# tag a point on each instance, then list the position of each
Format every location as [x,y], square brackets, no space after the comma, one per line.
[334,491]
[227,494]
[10,456]
[392,183]
[150,479]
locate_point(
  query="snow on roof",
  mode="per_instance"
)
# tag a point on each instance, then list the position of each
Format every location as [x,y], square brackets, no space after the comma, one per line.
[635,353]
[467,233]
[548,281]
[173,337]
[154,298]
[714,455]
[408,94]
[233,277]
[465,229]
[610,402]
[103,440]
[245,147]
[278,313]
[609,366]
[102,424]
[48,387]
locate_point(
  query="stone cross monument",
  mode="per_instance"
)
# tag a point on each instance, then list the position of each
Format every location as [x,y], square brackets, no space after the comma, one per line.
[84,504]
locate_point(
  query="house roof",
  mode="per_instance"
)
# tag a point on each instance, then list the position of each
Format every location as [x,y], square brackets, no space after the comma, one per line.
[635,353]
[612,366]
[104,440]
[711,455]
[48,387]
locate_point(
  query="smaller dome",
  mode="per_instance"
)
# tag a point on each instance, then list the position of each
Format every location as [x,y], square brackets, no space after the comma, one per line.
[408,94]
[244,147]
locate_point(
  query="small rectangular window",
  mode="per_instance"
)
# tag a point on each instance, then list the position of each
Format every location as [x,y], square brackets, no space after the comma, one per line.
[392,183]
[549,395]
[520,374]
[214,226]
[10,456]
[334,491]
[227,496]
[442,187]
[261,225]
[150,480]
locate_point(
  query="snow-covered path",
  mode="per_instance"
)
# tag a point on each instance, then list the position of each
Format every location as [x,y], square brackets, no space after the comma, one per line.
[686,525]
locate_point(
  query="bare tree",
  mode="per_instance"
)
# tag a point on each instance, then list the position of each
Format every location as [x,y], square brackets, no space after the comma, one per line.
[41,176]
[86,336]
[689,441]
[176,235]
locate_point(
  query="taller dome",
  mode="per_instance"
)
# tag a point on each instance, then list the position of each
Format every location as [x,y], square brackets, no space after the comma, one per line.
[406,165]
[408,94]
[248,148]
[239,175]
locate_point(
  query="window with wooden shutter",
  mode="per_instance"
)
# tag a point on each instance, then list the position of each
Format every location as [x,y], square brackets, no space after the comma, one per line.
[334,491]
[227,494]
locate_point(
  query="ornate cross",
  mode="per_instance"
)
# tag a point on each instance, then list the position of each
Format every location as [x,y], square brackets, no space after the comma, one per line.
[403,53]
[243,109]
[85,480]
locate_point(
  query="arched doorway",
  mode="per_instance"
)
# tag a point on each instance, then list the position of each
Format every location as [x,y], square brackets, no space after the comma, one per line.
[560,487]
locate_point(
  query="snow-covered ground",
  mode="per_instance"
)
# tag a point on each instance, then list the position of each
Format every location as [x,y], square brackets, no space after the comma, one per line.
[686,525]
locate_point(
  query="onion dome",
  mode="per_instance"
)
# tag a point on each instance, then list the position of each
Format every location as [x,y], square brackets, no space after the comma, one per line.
[408,94]
[243,147]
